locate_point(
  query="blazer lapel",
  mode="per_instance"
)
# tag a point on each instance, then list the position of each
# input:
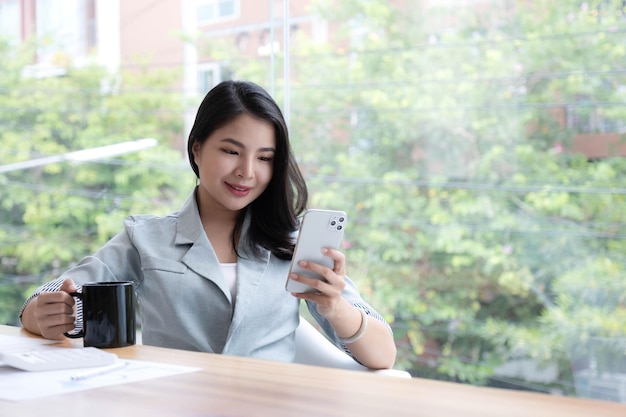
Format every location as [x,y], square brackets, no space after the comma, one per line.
[200,257]
[250,273]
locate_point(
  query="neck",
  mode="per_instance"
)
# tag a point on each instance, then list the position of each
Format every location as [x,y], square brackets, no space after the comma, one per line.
[215,215]
[219,226]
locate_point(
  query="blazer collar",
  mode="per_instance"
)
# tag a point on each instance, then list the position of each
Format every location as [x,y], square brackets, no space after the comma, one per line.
[189,226]
[202,258]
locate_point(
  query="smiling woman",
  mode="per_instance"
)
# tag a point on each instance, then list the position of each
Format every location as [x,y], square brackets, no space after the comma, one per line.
[476,146]
[182,264]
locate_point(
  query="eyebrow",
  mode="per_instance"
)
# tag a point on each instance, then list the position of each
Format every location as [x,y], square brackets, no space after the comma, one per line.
[241,145]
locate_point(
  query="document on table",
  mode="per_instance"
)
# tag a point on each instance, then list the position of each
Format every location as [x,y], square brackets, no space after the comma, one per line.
[17,385]
[17,344]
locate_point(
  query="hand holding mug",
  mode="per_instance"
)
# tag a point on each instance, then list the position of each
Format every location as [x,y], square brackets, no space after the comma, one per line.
[53,312]
[108,311]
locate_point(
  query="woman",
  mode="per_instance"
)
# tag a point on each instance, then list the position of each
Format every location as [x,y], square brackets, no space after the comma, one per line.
[211,276]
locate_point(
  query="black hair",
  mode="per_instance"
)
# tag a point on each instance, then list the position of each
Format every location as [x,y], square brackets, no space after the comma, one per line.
[274,214]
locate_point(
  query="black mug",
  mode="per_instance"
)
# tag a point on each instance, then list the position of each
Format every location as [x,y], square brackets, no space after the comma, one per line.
[108,314]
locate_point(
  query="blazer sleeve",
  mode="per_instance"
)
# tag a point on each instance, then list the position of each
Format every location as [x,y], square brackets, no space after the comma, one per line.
[350,293]
[117,260]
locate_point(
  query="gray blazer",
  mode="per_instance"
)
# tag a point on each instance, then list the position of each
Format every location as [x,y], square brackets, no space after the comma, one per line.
[183,299]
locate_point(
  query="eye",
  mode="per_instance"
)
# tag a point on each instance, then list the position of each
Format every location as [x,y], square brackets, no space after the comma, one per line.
[230,152]
[266,158]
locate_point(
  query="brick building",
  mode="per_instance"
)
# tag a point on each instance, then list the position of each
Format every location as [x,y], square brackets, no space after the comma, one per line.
[182,34]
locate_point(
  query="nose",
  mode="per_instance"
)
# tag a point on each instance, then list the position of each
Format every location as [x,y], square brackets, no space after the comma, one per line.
[245,168]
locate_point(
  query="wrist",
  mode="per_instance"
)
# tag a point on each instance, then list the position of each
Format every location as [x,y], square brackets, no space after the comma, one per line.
[360,332]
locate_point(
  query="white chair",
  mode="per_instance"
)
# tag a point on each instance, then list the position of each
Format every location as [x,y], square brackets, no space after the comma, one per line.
[312,348]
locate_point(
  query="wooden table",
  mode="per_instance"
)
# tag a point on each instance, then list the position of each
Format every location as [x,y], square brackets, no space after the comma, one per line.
[244,387]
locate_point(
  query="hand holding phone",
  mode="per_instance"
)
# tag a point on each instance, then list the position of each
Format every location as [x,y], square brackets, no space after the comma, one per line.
[319,229]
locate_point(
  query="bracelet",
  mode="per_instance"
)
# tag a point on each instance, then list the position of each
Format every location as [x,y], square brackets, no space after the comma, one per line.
[359,332]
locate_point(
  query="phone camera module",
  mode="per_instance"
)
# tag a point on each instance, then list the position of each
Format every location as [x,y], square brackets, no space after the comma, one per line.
[335,223]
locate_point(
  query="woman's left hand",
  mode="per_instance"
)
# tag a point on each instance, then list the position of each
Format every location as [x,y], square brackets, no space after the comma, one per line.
[329,289]
[375,348]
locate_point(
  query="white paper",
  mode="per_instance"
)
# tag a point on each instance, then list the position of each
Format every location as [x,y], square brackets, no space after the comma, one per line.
[17,385]
[10,344]
[17,343]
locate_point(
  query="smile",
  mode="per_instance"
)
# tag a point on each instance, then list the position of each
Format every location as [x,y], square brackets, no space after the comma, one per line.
[238,190]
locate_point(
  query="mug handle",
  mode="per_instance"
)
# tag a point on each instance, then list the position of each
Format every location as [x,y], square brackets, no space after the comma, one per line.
[80,333]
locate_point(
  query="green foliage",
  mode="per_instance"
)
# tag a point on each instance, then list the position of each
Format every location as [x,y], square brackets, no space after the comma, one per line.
[470,226]
[54,214]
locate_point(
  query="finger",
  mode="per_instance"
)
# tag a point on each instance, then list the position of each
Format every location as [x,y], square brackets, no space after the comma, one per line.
[334,254]
[56,299]
[339,259]
[69,286]
[54,316]
[321,270]
[56,331]
[321,287]
[64,321]
[48,308]
[315,283]
[309,296]
[54,308]
[328,276]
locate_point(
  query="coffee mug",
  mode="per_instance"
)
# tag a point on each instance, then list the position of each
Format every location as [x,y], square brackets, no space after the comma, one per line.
[108,314]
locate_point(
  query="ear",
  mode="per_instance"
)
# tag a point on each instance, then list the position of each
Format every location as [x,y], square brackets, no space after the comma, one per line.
[195,149]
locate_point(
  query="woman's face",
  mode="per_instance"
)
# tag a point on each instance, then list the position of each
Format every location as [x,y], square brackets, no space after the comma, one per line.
[235,163]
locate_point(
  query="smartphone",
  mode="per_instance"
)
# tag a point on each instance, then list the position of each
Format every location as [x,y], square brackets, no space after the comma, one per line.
[319,229]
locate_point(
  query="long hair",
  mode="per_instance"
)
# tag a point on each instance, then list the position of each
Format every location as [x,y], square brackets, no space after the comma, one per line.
[274,214]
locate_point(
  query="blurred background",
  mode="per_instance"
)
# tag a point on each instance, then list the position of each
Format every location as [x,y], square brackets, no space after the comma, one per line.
[477,145]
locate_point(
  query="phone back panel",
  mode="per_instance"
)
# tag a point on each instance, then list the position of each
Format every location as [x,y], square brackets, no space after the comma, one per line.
[319,229]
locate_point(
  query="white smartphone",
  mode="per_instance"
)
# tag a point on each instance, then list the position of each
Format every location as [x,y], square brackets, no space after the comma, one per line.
[319,229]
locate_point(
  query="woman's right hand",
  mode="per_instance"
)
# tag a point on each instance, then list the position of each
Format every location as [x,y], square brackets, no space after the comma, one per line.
[51,314]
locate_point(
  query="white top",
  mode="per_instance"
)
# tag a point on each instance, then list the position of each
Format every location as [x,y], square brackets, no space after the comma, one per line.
[230,273]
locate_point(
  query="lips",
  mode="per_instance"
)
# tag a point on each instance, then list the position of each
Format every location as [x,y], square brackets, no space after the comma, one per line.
[238,190]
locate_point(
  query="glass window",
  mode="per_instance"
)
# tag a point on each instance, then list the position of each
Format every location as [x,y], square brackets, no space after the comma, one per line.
[226,8]
[209,75]
[61,27]
[478,145]
[206,12]
[9,20]
[209,11]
